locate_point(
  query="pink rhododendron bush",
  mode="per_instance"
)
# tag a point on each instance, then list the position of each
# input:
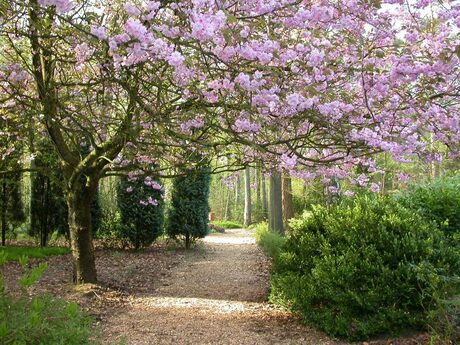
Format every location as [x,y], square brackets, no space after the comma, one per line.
[311,87]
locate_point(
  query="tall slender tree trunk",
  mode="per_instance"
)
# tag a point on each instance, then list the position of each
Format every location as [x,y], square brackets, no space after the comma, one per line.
[258,191]
[264,196]
[4,207]
[79,205]
[237,191]
[44,226]
[276,204]
[288,204]
[228,207]
[247,197]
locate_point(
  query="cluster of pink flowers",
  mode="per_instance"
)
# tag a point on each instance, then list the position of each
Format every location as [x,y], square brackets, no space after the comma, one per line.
[322,85]
[62,6]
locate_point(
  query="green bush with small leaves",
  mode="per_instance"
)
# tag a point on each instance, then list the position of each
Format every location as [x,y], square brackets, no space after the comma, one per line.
[438,201]
[364,267]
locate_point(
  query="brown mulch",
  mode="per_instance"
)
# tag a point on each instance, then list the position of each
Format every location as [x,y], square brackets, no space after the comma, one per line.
[215,294]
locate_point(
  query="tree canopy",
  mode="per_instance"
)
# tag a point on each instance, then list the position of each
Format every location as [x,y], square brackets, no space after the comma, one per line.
[315,88]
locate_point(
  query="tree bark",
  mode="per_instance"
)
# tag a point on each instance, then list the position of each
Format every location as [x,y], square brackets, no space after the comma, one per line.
[288,204]
[79,205]
[237,191]
[247,197]
[264,196]
[258,187]
[276,204]
[228,206]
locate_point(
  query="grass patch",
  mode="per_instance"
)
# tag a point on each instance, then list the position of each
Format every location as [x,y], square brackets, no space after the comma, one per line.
[270,241]
[226,224]
[15,252]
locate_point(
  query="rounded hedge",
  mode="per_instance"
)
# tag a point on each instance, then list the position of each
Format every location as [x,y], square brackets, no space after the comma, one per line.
[439,201]
[363,267]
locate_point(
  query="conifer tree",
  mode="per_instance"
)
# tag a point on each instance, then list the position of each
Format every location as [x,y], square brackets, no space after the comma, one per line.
[188,214]
[142,210]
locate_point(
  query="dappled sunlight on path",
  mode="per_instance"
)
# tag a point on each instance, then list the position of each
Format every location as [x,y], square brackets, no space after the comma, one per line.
[238,236]
[216,295]
[205,304]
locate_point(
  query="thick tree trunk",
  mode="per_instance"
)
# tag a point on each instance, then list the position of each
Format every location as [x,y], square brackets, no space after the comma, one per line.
[247,198]
[79,204]
[276,204]
[288,204]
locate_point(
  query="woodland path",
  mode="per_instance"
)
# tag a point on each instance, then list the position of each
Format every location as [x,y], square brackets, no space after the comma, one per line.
[216,295]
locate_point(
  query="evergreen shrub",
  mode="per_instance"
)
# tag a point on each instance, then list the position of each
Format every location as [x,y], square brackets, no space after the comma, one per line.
[189,210]
[438,201]
[141,209]
[364,267]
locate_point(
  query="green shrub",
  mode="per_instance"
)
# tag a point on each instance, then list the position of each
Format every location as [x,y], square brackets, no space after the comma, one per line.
[438,201]
[363,267]
[189,210]
[142,210]
[270,241]
[110,233]
[227,224]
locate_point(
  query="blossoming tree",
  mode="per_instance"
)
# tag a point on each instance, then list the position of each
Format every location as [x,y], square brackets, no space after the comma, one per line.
[313,87]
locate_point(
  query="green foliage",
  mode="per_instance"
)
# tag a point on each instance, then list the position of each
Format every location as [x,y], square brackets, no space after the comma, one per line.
[11,205]
[141,221]
[42,320]
[110,233]
[271,242]
[48,209]
[189,210]
[445,322]
[15,253]
[304,197]
[364,267]
[438,201]
[227,224]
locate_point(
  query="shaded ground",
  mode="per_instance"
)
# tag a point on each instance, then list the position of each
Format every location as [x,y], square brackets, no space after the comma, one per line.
[213,295]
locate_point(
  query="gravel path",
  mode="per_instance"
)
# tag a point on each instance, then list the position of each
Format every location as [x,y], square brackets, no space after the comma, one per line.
[216,295]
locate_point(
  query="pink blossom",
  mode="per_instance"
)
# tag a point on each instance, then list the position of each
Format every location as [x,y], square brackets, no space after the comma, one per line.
[99,31]
[62,6]
[135,29]
[176,59]
[375,188]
